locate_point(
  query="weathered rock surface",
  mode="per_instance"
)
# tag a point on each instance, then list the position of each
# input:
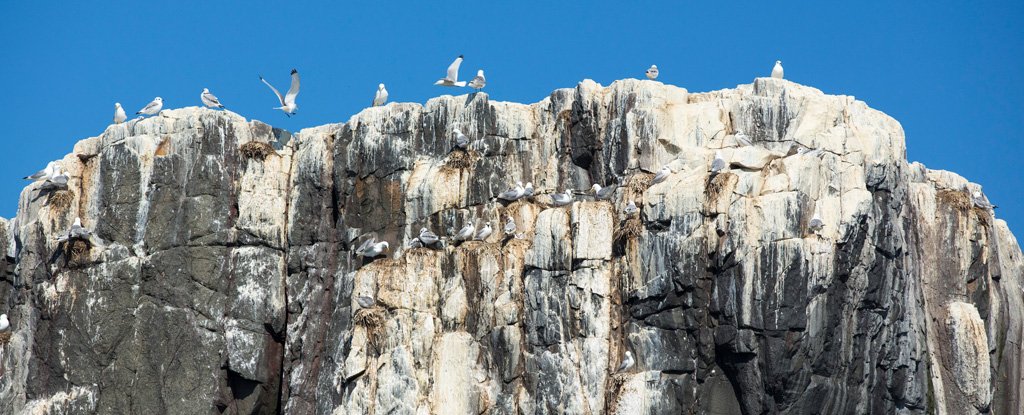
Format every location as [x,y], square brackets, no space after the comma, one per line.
[227,282]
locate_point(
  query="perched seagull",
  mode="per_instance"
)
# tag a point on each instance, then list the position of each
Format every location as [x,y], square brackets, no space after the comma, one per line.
[528,190]
[562,199]
[153,107]
[777,70]
[452,77]
[513,193]
[415,243]
[510,226]
[209,99]
[742,139]
[603,193]
[119,115]
[364,301]
[979,200]
[718,164]
[427,237]
[466,233]
[479,82]
[76,232]
[461,141]
[484,233]
[288,104]
[374,249]
[804,151]
[662,174]
[816,224]
[366,245]
[652,72]
[631,208]
[59,181]
[5,324]
[381,97]
[627,362]
[52,169]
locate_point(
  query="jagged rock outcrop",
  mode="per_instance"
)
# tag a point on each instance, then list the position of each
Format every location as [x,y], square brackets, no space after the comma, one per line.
[227,281]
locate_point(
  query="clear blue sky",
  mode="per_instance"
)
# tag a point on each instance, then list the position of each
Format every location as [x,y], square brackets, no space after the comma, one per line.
[951,73]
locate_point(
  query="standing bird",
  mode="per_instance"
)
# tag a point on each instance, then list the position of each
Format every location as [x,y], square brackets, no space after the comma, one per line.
[427,237]
[816,224]
[652,72]
[777,70]
[562,199]
[461,141]
[153,107]
[631,208]
[5,324]
[627,362]
[381,97]
[510,226]
[718,164]
[466,233]
[742,139]
[513,193]
[57,182]
[479,82]
[75,232]
[209,99]
[52,169]
[804,151]
[119,115]
[484,233]
[452,77]
[528,190]
[661,175]
[288,104]
[372,248]
[603,193]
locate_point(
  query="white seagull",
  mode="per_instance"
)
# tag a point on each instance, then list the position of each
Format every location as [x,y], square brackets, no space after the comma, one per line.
[718,164]
[59,181]
[510,226]
[209,99]
[528,190]
[602,193]
[627,362]
[466,233]
[777,70]
[979,200]
[804,151]
[427,237]
[153,107]
[461,141]
[652,72]
[119,115]
[381,97]
[742,139]
[562,199]
[5,324]
[662,174]
[513,193]
[816,224]
[75,232]
[479,82]
[52,169]
[452,77]
[371,248]
[484,233]
[288,104]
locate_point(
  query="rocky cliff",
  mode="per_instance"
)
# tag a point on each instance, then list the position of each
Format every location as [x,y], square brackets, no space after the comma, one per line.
[226,280]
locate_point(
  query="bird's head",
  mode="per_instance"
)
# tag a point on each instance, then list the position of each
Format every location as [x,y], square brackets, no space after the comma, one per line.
[78,221]
[778,62]
[519,184]
[654,66]
[480,72]
[206,91]
[381,86]
[596,187]
[423,230]
[117,104]
[529,185]
[158,99]
[385,245]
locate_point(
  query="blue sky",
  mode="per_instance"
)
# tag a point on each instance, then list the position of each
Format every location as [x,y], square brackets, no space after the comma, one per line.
[951,73]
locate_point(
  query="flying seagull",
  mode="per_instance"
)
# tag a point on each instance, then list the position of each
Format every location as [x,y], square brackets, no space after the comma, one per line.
[718,164]
[627,362]
[153,107]
[209,99]
[381,97]
[119,115]
[484,233]
[602,193]
[52,169]
[742,139]
[479,82]
[777,70]
[652,72]
[452,77]
[662,174]
[562,199]
[288,104]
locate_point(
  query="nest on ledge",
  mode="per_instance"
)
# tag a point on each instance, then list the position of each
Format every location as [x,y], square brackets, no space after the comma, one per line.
[956,199]
[256,150]
[372,319]
[5,337]
[637,185]
[459,160]
[630,229]
[60,199]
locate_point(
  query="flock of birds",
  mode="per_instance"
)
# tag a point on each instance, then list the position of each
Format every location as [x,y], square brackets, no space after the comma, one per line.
[54,177]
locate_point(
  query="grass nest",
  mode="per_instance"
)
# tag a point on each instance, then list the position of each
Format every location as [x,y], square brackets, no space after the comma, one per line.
[256,150]
[460,159]
[956,199]
[5,337]
[372,319]
[60,199]
[718,184]
[631,228]
[77,251]
[637,185]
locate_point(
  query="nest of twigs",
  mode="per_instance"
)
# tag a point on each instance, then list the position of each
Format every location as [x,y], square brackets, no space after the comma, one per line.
[459,160]
[637,185]
[60,199]
[5,337]
[256,150]
[372,319]
[954,198]
[718,184]
[630,229]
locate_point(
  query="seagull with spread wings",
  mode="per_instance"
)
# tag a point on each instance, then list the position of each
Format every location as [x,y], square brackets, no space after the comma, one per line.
[452,77]
[288,104]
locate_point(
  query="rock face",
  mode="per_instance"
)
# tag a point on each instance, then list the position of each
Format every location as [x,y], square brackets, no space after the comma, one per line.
[227,280]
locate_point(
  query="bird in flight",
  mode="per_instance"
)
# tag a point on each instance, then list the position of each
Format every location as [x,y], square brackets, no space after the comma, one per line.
[452,77]
[288,104]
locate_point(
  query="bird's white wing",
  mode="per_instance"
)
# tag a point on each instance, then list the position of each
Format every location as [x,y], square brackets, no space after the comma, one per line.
[293,91]
[148,107]
[279,97]
[453,70]
[212,98]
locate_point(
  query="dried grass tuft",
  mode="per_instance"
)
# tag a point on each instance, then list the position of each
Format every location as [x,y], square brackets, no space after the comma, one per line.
[256,150]
[60,199]
[718,184]
[372,319]
[5,337]
[637,185]
[460,159]
[630,229]
[956,199]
